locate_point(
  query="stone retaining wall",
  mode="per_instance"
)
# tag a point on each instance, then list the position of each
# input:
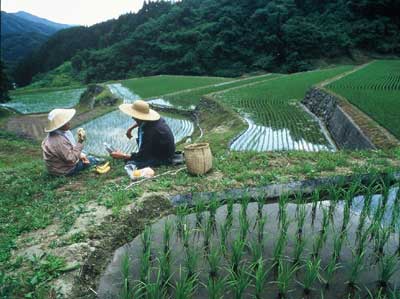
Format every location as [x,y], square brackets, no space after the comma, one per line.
[344,131]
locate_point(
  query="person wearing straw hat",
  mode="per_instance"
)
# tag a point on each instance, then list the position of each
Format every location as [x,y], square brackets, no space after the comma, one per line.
[155,139]
[61,153]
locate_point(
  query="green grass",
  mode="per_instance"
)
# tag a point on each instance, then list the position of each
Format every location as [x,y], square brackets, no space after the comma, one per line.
[155,86]
[192,97]
[375,90]
[36,101]
[274,103]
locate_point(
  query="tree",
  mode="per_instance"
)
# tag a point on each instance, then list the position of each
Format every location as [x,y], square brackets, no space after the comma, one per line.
[5,84]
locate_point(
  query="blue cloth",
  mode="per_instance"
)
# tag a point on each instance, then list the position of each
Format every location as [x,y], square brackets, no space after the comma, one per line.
[81,166]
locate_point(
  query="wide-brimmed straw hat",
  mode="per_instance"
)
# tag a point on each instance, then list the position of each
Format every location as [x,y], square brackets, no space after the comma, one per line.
[140,110]
[58,118]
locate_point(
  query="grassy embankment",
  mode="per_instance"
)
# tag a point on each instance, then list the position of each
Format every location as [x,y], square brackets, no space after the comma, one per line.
[43,212]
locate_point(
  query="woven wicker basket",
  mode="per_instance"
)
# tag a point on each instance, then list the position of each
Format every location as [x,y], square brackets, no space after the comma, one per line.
[198,158]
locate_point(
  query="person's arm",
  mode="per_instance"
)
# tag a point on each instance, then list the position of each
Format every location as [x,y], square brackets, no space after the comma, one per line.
[129,131]
[120,155]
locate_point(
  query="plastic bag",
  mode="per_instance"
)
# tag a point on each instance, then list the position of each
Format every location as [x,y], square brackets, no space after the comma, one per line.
[136,174]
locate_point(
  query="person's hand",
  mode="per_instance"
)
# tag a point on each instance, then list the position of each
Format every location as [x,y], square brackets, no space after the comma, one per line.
[81,135]
[84,159]
[119,155]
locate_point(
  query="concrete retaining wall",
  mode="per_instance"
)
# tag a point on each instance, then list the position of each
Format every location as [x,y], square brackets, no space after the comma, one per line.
[344,131]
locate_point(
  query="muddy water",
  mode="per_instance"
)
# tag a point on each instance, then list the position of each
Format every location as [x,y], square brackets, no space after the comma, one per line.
[111,281]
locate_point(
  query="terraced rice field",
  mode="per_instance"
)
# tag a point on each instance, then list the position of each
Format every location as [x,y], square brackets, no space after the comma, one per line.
[38,101]
[111,128]
[156,86]
[276,119]
[188,99]
[375,90]
[123,93]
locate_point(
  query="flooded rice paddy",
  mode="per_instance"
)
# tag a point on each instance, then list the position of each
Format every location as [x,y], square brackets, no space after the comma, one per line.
[319,249]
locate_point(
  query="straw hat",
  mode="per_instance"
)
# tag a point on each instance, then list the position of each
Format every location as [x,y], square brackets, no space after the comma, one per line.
[140,110]
[58,118]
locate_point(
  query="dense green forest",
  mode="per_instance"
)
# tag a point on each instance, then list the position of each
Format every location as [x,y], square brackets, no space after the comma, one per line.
[220,37]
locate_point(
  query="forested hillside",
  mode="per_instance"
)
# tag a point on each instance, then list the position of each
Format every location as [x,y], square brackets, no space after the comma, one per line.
[21,33]
[220,37]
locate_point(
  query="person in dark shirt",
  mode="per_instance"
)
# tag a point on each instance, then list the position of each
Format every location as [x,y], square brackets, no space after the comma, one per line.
[155,139]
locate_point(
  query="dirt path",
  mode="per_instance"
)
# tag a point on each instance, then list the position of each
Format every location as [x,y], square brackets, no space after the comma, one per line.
[340,76]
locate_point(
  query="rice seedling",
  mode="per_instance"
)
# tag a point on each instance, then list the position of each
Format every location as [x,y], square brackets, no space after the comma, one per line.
[151,289]
[165,267]
[346,214]
[381,239]
[244,202]
[207,230]
[185,235]
[311,274]
[279,248]
[260,229]
[301,217]
[215,288]
[191,261]
[125,291]
[338,240]
[388,266]
[214,260]
[144,266]
[319,242]
[256,249]
[282,203]
[260,277]
[239,280]
[199,209]
[298,250]
[244,224]
[237,253]
[330,270]
[229,207]
[214,204]
[146,239]
[334,196]
[284,278]
[181,211]
[223,236]
[357,265]
[260,205]
[185,286]
[362,240]
[315,197]
[167,235]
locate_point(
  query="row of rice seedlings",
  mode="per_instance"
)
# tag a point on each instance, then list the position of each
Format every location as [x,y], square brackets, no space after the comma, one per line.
[323,233]
[126,288]
[145,259]
[181,212]
[315,197]
[282,205]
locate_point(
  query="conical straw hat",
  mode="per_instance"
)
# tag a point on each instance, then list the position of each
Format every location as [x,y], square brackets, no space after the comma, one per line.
[58,118]
[140,110]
